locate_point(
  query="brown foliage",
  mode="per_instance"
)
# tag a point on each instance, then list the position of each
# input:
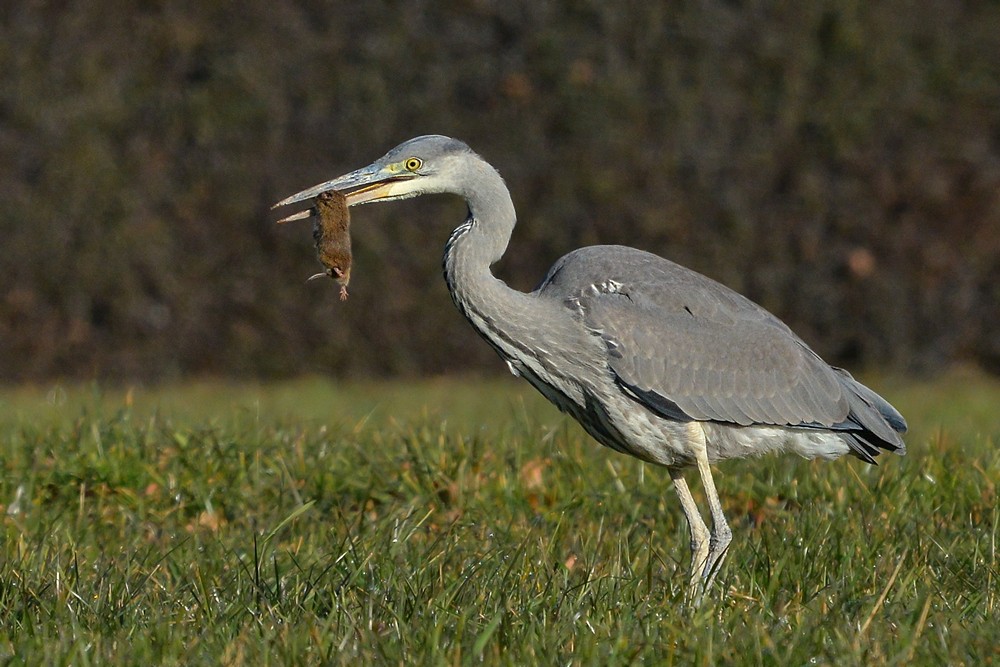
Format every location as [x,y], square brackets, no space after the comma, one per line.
[840,164]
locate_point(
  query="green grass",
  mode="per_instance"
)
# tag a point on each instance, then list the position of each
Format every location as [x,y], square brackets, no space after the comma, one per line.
[460,522]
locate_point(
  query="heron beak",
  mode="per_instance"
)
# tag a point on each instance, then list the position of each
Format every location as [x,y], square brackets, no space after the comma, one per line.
[371,183]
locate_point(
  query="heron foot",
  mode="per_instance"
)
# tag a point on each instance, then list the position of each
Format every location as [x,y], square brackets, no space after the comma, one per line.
[718,549]
[707,557]
[700,553]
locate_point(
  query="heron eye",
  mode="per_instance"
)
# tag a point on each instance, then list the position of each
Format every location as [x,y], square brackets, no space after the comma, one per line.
[413,163]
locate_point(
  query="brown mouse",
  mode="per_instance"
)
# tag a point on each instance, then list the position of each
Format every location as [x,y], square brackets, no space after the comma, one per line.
[332,234]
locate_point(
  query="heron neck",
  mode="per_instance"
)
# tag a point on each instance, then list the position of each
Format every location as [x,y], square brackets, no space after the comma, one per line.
[491,213]
[531,333]
[477,244]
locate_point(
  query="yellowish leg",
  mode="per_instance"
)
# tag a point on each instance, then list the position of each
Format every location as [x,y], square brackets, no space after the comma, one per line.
[699,535]
[721,535]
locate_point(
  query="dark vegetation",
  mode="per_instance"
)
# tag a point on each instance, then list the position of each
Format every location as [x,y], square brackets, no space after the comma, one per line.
[837,162]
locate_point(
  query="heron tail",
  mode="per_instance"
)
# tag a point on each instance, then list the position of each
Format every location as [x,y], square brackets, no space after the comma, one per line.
[879,424]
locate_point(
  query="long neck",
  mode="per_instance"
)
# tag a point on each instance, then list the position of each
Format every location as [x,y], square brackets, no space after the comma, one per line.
[537,337]
[492,307]
[483,238]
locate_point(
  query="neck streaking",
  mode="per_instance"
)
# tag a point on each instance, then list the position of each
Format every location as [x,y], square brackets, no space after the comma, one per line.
[537,337]
[495,310]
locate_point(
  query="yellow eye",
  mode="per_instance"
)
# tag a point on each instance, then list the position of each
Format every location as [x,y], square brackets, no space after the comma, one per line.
[413,163]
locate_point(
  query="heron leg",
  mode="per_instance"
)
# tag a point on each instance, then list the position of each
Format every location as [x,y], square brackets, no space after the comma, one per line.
[699,533]
[721,534]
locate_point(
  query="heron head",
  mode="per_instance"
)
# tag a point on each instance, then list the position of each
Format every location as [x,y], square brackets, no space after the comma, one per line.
[416,167]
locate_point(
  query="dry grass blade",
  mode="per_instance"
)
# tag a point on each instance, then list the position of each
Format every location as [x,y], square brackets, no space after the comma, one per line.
[883,596]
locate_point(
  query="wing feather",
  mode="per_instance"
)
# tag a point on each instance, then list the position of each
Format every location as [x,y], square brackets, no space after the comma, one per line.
[686,344]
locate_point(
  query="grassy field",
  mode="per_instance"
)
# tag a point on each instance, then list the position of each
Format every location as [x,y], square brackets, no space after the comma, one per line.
[466,522]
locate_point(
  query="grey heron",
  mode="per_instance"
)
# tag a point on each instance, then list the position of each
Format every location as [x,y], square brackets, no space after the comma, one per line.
[652,359]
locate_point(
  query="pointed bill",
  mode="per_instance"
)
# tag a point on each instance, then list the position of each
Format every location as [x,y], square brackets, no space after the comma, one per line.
[308,213]
[370,183]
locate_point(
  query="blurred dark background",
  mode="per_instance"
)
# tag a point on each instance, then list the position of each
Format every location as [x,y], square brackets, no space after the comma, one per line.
[838,162]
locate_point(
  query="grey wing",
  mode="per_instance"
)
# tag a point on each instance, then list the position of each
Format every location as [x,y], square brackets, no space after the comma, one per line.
[690,348]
